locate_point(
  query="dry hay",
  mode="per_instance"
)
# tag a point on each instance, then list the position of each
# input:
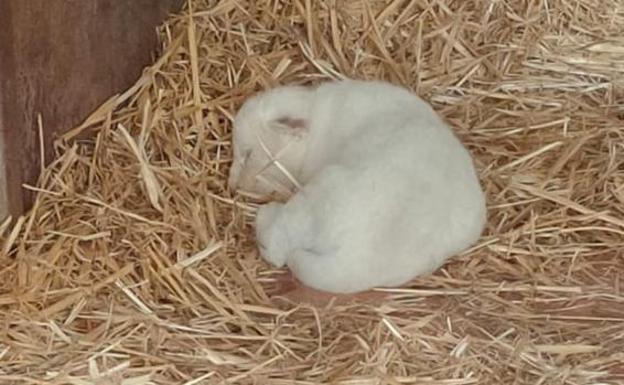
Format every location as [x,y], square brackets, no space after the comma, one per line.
[136,264]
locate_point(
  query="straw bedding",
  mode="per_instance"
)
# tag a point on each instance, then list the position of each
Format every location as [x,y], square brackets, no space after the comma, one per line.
[137,266]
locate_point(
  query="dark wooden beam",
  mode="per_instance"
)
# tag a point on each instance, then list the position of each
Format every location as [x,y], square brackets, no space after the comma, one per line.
[61,59]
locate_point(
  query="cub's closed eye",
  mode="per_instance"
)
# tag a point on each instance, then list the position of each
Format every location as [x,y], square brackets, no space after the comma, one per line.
[246,156]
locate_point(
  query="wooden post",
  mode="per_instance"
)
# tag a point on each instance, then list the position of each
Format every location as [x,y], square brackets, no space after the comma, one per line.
[62,59]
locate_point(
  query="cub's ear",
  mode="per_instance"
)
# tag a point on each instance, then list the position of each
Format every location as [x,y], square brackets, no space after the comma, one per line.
[291,126]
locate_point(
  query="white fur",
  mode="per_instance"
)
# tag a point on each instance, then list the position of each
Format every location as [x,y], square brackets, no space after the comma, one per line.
[387,193]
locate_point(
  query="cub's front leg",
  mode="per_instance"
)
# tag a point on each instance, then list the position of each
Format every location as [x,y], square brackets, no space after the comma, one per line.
[270,236]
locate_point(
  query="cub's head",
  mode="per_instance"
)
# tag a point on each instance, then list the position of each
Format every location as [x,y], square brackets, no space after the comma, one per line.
[269,139]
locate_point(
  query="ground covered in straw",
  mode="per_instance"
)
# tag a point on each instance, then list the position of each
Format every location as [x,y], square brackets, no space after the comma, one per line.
[137,264]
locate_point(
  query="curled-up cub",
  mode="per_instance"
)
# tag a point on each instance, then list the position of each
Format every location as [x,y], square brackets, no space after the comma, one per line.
[379,188]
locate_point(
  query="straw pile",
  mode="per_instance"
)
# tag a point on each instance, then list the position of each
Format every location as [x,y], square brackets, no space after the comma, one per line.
[136,265]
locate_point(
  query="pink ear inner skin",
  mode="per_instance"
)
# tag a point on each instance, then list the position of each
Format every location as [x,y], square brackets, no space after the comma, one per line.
[294,123]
